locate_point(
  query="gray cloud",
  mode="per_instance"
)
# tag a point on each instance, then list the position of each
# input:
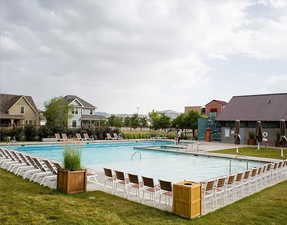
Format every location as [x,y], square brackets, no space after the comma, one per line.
[153,54]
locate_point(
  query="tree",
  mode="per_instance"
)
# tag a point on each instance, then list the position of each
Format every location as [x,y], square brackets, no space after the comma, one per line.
[159,120]
[127,121]
[57,113]
[134,121]
[188,120]
[115,121]
[143,122]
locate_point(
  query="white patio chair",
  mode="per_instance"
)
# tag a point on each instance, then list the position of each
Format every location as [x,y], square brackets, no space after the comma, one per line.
[252,183]
[220,193]
[121,183]
[109,179]
[165,193]
[245,183]
[134,186]
[207,196]
[150,188]
[238,187]
[229,189]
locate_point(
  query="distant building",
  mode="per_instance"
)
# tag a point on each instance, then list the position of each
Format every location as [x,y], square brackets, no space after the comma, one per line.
[18,111]
[193,108]
[82,113]
[267,108]
[215,106]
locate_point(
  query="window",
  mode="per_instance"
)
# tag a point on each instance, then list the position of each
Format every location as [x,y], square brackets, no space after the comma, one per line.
[74,123]
[22,109]
[213,110]
[227,132]
[26,121]
[91,112]
[30,122]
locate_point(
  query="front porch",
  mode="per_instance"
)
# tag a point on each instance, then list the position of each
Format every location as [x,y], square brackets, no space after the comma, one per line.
[92,121]
[11,121]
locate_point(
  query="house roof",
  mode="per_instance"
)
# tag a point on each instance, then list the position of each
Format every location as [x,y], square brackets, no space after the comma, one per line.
[266,107]
[219,101]
[71,98]
[7,101]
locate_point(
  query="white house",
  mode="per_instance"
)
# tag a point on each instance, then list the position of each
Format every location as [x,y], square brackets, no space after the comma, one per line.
[82,114]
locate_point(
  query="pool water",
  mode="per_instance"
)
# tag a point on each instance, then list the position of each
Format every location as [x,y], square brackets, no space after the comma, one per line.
[157,164]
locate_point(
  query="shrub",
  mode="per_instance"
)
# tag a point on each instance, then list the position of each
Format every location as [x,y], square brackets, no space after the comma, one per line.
[30,133]
[251,135]
[72,159]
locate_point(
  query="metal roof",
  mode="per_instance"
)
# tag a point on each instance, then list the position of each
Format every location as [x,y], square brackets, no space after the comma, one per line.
[266,107]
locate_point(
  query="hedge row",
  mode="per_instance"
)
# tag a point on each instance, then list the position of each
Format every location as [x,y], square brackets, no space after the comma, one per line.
[30,133]
[147,134]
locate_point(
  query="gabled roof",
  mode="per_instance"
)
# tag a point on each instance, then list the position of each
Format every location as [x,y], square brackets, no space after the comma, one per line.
[7,101]
[71,98]
[266,107]
[218,101]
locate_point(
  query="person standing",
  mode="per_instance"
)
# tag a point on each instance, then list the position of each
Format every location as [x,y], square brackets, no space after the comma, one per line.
[178,136]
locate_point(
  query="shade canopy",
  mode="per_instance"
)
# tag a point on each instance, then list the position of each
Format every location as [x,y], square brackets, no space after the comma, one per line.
[259,132]
[237,132]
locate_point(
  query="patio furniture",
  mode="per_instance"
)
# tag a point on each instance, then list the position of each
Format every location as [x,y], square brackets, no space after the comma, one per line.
[166,191]
[79,137]
[134,184]
[245,183]
[64,137]
[229,190]
[207,196]
[58,137]
[121,181]
[220,192]
[109,178]
[238,186]
[86,137]
[151,188]
[109,137]
[37,177]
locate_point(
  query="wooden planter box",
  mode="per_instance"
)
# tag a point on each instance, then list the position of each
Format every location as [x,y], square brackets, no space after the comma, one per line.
[71,182]
[251,142]
[187,199]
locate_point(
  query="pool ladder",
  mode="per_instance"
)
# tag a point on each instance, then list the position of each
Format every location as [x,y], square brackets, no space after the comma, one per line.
[136,153]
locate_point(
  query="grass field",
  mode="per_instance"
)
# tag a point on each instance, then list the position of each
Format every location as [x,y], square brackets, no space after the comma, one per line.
[252,151]
[22,202]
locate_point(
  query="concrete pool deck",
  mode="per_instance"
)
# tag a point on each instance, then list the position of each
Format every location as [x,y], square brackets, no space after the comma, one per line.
[204,148]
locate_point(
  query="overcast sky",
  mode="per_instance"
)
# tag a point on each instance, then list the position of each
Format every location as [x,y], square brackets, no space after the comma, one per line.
[120,55]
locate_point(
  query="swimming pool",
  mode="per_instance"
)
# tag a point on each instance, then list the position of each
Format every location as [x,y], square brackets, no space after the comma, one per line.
[122,156]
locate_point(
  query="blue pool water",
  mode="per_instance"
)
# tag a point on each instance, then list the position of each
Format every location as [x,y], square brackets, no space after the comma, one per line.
[157,164]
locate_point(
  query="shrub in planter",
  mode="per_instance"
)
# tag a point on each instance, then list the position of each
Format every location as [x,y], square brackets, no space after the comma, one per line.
[72,178]
[251,140]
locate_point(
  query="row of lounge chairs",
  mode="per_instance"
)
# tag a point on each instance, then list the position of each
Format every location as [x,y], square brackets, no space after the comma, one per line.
[85,137]
[131,184]
[222,191]
[30,167]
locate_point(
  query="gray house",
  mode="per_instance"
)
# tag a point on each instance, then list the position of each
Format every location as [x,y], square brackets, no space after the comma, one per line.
[268,108]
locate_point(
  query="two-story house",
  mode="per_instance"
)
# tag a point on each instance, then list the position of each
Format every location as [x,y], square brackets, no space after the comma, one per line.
[18,111]
[82,113]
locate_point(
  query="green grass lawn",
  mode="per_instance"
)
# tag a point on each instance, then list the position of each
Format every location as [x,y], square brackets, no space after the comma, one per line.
[22,202]
[252,151]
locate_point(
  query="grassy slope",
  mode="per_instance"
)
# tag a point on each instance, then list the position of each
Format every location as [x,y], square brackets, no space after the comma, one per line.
[252,151]
[22,202]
